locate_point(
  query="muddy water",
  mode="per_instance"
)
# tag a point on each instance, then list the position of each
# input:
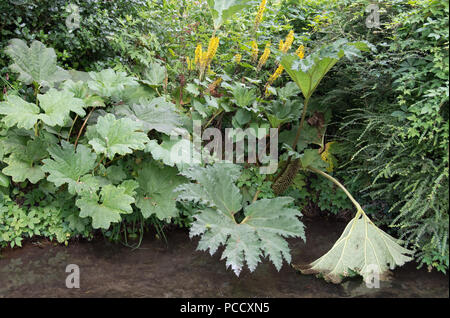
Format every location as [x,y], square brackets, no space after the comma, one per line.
[178,270]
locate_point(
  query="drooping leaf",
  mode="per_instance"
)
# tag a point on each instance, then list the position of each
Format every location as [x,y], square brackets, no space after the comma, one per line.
[362,248]
[156,191]
[107,207]
[111,136]
[261,233]
[35,63]
[69,166]
[57,106]
[156,114]
[19,112]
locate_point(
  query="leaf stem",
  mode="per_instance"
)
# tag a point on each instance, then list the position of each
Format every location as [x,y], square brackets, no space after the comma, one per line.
[340,185]
[71,127]
[82,127]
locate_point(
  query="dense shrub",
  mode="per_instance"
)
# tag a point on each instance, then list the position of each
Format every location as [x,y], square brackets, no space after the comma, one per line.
[393,107]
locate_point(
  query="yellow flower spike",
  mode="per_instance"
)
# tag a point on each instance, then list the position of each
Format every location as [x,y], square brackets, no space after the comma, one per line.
[301,52]
[255,51]
[281,45]
[212,48]
[198,54]
[237,58]
[264,56]
[259,15]
[288,42]
[275,75]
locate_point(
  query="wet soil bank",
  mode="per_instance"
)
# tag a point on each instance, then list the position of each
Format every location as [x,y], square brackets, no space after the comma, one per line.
[178,270]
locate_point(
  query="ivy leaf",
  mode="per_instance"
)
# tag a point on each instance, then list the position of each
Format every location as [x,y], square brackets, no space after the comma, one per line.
[107,207]
[154,75]
[69,166]
[111,136]
[19,112]
[156,191]
[109,83]
[362,248]
[35,63]
[157,114]
[57,106]
[261,233]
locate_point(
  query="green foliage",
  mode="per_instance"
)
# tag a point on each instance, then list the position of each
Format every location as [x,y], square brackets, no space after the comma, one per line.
[112,136]
[261,230]
[156,191]
[35,64]
[52,219]
[156,114]
[107,207]
[101,141]
[69,166]
[399,122]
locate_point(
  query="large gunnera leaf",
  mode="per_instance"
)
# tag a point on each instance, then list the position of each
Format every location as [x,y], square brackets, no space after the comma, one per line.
[156,114]
[362,248]
[109,83]
[308,72]
[106,208]
[69,166]
[19,112]
[35,63]
[156,190]
[262,231]
[111,136]
[57,106]
[24,163]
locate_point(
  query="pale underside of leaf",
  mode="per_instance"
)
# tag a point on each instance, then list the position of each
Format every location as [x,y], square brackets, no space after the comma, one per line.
[361,248]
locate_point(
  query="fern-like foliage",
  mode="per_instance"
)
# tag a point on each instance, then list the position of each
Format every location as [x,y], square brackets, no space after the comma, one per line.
[257,231]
